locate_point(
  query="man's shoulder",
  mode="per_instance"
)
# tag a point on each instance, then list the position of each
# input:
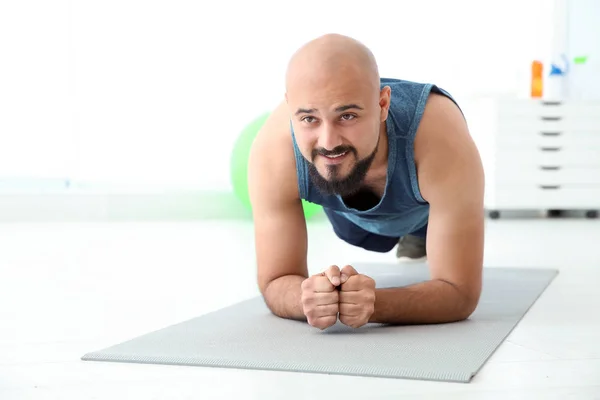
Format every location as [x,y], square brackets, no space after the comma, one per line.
[274,142]
[442,120]
[440,109]
[272,157]
[443,142]
[276,128]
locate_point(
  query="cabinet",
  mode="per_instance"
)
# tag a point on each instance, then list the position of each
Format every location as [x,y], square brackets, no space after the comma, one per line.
[538,155]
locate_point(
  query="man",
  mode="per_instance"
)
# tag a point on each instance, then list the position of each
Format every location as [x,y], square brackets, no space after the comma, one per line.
[387,159]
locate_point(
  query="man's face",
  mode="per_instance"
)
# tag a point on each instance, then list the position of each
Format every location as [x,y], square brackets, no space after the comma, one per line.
[337,126]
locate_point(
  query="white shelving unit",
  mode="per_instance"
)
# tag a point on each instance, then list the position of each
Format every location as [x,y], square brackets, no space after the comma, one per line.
[539,155]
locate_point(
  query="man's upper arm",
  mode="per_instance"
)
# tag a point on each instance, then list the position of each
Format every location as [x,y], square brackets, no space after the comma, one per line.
[279,222]
[451,179]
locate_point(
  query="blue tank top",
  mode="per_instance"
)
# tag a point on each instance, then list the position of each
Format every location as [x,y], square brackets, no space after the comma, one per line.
[402,209]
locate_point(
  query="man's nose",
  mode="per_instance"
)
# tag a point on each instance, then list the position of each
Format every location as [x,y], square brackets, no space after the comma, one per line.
[329,138]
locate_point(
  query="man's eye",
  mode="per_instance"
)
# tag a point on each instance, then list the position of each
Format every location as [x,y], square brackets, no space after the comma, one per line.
[306,119]
[347,117]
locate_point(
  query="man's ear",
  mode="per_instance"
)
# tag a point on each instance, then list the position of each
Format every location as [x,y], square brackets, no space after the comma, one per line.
[384,102]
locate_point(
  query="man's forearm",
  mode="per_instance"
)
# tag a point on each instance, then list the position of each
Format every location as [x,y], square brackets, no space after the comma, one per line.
[283,297]
[427,302]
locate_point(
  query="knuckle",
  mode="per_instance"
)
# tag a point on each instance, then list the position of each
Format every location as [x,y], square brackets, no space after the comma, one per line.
[311,311]
[325,283]
[365,280]
[332,269]
[306,298]
[319,283]
[306,284]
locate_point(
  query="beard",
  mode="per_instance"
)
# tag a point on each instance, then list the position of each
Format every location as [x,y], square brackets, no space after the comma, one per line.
[335,185]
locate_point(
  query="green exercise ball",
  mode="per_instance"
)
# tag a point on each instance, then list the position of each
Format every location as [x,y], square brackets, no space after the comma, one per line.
[239,165]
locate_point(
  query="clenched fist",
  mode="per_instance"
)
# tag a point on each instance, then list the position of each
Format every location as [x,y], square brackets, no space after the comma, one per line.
[320,298]
[357,298]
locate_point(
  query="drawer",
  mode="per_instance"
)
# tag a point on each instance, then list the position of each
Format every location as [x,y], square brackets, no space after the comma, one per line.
[549,139]
[582,109]
[543,176]
[536,124]
[511,107]
[548,156]
[531,197]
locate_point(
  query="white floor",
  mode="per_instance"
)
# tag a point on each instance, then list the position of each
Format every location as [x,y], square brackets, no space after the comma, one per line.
[66,289]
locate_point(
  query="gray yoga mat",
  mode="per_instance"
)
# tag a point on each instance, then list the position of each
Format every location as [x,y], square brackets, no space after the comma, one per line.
[247,335]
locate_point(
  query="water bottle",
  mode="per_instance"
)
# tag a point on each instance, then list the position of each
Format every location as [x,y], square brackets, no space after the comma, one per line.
[555,85]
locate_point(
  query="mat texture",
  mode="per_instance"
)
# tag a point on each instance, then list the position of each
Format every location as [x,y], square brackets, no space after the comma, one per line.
[247,335]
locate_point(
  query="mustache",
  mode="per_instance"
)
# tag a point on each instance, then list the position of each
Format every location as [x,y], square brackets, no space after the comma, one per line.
[335,151]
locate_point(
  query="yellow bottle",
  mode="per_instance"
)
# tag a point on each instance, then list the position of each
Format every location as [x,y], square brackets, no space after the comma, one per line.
[537,80]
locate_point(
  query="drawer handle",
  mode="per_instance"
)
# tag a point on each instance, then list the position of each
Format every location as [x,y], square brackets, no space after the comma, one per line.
[551,103]
[551,133]
[549,168]
[551,118]
[550,148]
[546,187]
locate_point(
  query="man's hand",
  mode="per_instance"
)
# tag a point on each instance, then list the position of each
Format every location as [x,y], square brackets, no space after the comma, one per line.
[320,298]
[357,298]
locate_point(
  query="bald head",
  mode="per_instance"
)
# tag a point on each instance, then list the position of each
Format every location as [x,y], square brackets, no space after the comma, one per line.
[333,58]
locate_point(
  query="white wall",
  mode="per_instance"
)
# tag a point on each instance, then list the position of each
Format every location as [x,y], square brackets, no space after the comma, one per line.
[134,92]
[583,39]
[36,135]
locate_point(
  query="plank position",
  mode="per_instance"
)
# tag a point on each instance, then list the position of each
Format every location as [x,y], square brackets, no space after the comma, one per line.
[393,164]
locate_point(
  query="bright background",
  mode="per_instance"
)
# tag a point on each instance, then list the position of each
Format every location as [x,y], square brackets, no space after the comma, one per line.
[145,99]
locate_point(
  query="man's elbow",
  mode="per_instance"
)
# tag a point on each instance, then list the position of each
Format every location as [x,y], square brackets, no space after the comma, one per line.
[466,311]
[468,305]
[465,300]
[263,287]
[268,300]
